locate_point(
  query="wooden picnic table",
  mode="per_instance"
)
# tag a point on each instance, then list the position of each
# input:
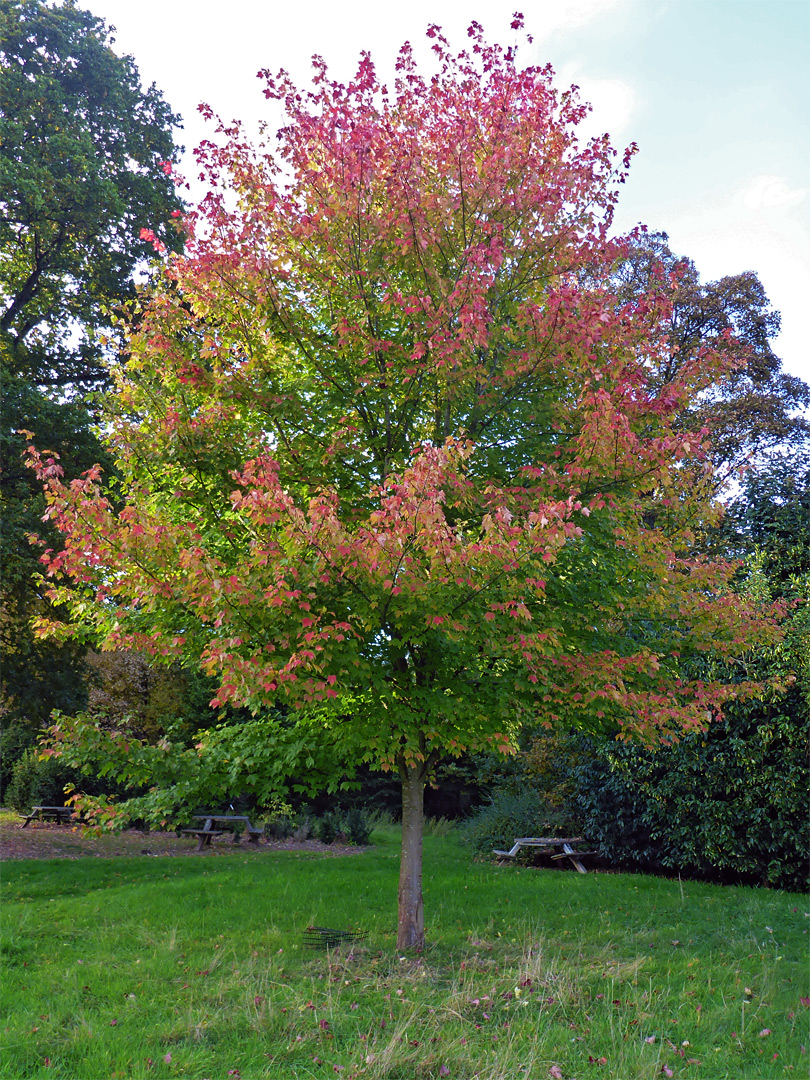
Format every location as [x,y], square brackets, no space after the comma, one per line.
[550,843]
[216,824]
[57,813]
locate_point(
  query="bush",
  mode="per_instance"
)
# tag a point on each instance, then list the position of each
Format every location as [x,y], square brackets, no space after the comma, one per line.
[36,782]
[39,781]
[731,804]
[438,826]
[15,738]
[511,814]
[326,828]
[351,827]
[279,819]
[356,826]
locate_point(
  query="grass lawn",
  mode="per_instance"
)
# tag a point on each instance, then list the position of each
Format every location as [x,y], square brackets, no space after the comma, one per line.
[195,967]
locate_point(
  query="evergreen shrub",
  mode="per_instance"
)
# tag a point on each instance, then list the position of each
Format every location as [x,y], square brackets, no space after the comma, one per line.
[728,804]
[350,827]
[36,782]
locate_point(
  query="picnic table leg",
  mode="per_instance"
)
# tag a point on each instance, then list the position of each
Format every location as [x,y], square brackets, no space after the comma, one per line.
[572,855]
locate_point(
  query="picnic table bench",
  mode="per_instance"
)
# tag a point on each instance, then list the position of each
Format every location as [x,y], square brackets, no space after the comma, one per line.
[56,813]
[229,822]
[549,843]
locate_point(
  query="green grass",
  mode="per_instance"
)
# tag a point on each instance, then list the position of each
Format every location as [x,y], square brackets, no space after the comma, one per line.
[194,967]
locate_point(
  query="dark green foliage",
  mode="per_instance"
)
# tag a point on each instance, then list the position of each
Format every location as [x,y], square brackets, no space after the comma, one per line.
[511,814]
[37,783]
[351,827]
[37,675]
[729,805]
[459,785]
[356,826]
[771,514]
[82,159]
[81,147]
[42,781]
[327,827]
[367,788]
[15,738]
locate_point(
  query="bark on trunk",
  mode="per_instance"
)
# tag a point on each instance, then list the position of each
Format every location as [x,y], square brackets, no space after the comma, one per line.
[411,921]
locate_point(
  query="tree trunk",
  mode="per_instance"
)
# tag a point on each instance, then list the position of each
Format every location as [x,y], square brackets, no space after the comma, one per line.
[411,921]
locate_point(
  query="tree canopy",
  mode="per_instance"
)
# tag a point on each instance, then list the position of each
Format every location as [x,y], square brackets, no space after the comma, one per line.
[391,448]
[86,160]
[753,407]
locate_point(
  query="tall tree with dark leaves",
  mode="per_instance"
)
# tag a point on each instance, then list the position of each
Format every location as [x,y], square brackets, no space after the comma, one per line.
[86,159]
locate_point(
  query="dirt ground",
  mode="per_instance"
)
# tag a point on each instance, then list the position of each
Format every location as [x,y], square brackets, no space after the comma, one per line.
[47,840]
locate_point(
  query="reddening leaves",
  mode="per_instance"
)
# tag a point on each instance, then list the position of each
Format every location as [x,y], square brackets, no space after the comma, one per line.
[389,451]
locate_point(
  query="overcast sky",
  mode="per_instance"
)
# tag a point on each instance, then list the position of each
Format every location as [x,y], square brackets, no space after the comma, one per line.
[715,92]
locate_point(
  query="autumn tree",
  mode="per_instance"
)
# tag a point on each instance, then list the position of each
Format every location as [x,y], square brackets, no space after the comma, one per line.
[385,456]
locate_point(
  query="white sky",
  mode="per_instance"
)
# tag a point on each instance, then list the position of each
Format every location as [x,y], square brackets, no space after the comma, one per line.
[715,92]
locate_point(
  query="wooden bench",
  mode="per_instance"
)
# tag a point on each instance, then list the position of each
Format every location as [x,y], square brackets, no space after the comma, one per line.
[55,813]
[204,835]
[549,843]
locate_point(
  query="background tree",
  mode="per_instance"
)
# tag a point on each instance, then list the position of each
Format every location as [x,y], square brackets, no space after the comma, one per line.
[384,457]
[37,675]
[85,163]
[754,406]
